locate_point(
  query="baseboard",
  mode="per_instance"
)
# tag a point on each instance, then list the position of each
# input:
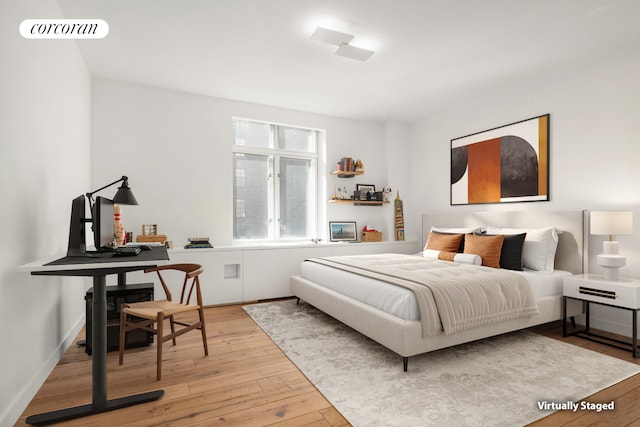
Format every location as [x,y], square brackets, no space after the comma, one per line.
[24,396]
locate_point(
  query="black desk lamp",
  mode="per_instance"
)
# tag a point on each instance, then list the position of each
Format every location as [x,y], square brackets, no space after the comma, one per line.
[123,196]
[77,240]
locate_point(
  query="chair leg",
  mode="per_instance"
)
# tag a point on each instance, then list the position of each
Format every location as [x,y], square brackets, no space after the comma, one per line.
[160,335]
[173,328]
[204,332]
[123,320]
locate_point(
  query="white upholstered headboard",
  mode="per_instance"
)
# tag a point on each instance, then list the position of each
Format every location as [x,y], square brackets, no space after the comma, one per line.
[569,255]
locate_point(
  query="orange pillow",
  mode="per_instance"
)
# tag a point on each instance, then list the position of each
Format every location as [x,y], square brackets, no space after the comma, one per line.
[488,247]
[444,242]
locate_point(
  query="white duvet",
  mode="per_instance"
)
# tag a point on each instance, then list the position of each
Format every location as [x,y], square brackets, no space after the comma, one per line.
[450,296]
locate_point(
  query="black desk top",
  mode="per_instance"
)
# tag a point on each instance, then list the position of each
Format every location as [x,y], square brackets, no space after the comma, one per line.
[97,266]
[156,253]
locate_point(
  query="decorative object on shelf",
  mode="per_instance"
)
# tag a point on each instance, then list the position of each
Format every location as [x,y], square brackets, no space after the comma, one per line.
[118,228]
[346,164]
[505,164]
[150,235]
[365,187]
[149,229]
[370,234]
[386,194]
[399,217]
[610,223]
[343,231]
[198,243]
[359,166]
[341,193]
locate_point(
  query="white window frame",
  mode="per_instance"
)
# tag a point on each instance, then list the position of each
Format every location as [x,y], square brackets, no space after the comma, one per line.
[317,214]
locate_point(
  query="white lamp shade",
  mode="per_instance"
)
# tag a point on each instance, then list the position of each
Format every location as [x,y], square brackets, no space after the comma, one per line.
[611,222]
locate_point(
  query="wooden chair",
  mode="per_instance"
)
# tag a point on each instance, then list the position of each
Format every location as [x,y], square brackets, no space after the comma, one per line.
[150,313]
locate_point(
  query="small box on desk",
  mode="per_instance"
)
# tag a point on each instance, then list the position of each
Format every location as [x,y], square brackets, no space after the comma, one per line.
[116,295]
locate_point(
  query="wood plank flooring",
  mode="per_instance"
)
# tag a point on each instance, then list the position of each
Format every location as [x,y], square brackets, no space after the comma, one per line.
[248,381]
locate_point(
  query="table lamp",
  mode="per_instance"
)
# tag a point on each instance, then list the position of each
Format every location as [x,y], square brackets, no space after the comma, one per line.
[610,223]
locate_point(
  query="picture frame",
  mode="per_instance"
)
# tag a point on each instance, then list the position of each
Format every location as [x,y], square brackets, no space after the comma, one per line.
[344,231]
[149,229]
[506,164]
[365,187]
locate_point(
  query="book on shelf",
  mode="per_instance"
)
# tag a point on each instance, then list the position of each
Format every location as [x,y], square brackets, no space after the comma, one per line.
[198,242]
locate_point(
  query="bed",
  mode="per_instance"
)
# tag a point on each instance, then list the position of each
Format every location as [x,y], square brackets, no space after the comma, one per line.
[390,315]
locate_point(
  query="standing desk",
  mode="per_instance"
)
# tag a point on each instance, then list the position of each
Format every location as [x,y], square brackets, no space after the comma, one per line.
[98,267]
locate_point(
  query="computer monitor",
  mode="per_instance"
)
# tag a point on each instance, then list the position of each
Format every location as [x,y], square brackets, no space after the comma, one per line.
[103,231]
[77,234]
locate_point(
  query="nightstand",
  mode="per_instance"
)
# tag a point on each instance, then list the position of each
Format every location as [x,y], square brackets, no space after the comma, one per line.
[594,289]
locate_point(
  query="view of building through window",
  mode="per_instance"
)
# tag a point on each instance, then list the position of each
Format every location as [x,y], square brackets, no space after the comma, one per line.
[275,188]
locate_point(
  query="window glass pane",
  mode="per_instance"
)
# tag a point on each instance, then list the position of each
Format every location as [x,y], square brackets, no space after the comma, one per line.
[251,196]
[296,139]
[296,198]
[253,134]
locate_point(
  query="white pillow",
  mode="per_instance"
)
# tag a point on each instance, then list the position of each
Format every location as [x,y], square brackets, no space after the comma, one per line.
[540,246]
[472,259]
[462,230]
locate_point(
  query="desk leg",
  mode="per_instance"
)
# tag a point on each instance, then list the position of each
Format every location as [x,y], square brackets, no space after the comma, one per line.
[99,370]
[99,352]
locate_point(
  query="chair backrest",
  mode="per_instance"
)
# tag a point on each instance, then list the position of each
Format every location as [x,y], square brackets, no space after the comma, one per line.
[191,271]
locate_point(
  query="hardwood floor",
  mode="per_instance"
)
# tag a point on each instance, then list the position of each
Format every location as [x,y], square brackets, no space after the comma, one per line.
[248,381]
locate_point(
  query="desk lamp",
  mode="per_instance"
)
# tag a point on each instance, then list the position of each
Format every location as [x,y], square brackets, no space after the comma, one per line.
[123,196]
[610,223]
[77,235]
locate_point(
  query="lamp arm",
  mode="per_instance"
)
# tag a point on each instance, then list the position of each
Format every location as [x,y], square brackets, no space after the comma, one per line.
[90,195]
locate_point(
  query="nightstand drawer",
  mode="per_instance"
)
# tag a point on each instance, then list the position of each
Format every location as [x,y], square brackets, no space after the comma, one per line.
[590,287]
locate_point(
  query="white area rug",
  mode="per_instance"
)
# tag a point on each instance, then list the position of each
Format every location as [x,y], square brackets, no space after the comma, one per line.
[494,382]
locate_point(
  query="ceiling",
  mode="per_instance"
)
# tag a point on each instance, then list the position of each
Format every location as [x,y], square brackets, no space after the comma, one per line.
[429,53]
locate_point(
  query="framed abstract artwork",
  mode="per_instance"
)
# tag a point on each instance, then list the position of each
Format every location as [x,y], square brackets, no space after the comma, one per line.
[501,165]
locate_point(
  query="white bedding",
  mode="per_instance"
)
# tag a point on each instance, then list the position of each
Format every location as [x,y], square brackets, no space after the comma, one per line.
[401,302]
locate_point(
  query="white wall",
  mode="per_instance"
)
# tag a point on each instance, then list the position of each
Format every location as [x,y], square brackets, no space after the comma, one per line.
[175,148]
[594,145]
[44,164]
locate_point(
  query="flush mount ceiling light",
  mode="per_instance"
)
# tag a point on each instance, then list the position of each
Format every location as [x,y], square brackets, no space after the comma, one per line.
[341,40]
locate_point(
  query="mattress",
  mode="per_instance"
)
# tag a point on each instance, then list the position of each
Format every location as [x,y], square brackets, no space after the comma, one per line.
[399,301]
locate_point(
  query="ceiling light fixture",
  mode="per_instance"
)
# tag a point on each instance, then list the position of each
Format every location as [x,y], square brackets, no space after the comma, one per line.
[341,40]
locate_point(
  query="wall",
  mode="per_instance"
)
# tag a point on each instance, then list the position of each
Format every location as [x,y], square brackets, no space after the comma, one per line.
[594,146]
[44,129]
[175,148]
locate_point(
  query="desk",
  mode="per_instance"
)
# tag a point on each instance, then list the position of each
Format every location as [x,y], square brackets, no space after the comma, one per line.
[98,268]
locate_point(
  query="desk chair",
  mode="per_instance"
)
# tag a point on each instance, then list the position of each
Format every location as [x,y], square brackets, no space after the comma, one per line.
[156,312]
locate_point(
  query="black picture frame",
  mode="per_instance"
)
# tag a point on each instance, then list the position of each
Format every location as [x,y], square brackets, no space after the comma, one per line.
[365,187]
[343,231]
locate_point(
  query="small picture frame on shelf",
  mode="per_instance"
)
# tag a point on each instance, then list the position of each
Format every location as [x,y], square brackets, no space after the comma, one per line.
[149,229]
[365,188]
[343,231]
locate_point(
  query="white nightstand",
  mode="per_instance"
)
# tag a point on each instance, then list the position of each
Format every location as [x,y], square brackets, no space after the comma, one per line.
[593,288]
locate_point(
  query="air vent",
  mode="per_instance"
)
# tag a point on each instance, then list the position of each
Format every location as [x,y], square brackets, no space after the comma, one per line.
[597,292]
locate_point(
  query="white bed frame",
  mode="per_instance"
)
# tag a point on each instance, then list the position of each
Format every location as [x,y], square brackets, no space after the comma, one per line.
[404,337]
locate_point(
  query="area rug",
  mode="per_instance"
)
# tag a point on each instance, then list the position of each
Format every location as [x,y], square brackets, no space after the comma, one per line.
[510,380]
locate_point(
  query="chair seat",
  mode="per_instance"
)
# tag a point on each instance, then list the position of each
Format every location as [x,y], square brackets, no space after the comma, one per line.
[150,309]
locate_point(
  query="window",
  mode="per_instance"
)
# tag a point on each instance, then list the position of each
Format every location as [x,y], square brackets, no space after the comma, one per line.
[274,190]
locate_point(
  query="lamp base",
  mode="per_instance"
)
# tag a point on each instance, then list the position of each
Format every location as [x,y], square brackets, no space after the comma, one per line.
[610,264]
